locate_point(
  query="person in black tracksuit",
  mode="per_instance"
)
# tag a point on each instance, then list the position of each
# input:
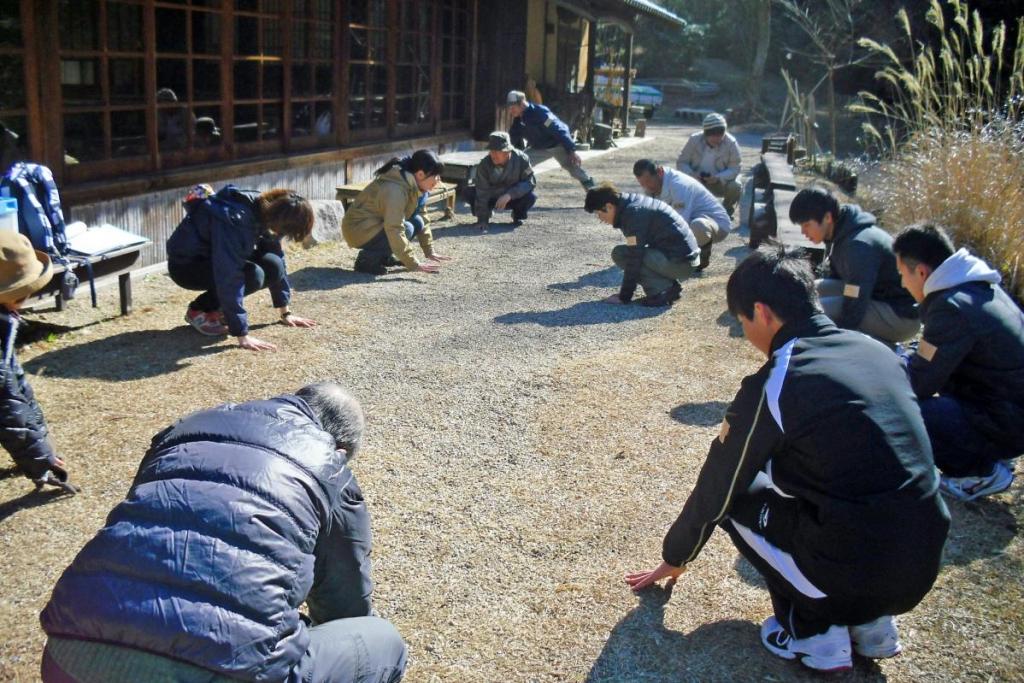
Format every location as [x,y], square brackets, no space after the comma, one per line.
[968,369]
[822,475]
[660,248]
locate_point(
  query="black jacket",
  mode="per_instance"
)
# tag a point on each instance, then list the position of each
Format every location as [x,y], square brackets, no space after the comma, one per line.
[830,425]
[224,231]
[860,254]
[236,516]
[972,348]
[650,223]
[22,427]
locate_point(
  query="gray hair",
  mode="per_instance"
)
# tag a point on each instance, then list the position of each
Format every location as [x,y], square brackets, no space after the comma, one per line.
[339,413]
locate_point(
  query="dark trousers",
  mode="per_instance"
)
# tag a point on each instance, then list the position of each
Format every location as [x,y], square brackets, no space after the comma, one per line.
[261,270]
[804,616]
[377,252]
[959,449]
[520,207]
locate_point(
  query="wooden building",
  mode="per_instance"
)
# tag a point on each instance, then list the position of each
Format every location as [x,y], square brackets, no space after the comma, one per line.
[129,102]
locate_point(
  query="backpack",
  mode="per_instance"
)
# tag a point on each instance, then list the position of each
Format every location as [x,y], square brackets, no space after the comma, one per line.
[39,215]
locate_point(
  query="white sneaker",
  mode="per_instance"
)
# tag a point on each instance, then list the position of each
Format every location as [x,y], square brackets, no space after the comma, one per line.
[970,488]
[878,639]
[828,651]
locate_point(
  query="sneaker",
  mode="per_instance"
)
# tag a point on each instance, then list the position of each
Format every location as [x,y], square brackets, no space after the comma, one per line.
[210,323]
[705,257]
[517,222]
[828,651]
[588,184]
[971,488]
[878,639]
[369,269]
[665,298]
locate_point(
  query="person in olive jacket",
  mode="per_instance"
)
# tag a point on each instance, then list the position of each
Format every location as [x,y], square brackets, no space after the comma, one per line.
[862,290]
[388,214]
[660,249]
[23,430]
[229,246]
[968,368]
[237,516]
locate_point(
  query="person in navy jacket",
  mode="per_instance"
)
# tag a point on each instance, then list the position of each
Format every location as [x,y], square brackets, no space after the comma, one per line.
[535,126]
[229,246]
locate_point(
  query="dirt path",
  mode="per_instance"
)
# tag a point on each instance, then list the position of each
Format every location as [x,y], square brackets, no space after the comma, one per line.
[526,447]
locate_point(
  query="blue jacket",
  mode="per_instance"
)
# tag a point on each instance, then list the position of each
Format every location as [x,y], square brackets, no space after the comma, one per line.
[231,523]
[225,231]
[541,129]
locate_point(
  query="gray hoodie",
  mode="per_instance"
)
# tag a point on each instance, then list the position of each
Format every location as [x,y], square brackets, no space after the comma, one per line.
[972,348]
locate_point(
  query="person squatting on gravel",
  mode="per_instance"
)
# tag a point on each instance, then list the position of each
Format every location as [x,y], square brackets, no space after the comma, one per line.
[712,156]
[504,180]
[535,126]
[702,212]
[23,432]
[388,213]
[237,515]
[659,251]
[229,246]
[863,290]
[968,368]
[821,474]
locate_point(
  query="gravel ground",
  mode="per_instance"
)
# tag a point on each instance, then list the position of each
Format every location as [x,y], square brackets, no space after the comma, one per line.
[526,447]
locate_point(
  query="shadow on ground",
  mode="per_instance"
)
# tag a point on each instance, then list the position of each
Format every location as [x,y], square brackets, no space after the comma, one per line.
[640,648]
[130,355]
[706,414]
[608,277]
[981,529]
[323,278]
[727,319]
[738,253]
[32,499]
[583,313]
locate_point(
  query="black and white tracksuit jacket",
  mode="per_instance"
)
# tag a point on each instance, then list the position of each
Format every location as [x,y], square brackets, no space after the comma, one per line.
[833,428]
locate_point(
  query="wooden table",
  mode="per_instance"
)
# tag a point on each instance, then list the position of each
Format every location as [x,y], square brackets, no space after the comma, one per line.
[442,192]
[118,263]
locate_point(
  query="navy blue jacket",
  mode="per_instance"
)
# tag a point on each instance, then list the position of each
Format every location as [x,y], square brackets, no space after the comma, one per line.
[231,523]
[540,129]
[653,224]
[22,427]
[224,230]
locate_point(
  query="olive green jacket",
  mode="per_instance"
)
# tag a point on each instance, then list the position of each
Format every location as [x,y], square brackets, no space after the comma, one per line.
[385,204]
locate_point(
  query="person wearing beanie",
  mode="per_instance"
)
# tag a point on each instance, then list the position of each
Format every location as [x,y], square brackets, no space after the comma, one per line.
[712,156]
[504,180]
[23,430]
[968,368]
[535,126]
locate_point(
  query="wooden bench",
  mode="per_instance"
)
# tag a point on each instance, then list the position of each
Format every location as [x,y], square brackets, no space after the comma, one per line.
[780,143]
[442,192]
[779,171]
[118,263]
[774,190]
[460,167]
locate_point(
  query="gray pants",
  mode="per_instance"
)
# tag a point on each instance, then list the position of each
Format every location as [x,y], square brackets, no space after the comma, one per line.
[562,155]
[729,191]
[706,230]
[879,321]
[658,272]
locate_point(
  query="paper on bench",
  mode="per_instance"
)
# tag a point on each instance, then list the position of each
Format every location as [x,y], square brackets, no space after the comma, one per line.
[101,239]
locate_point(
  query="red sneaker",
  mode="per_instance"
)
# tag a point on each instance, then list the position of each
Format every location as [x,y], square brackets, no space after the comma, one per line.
[210,323]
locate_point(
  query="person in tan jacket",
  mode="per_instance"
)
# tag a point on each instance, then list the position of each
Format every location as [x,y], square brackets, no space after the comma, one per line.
[388,213]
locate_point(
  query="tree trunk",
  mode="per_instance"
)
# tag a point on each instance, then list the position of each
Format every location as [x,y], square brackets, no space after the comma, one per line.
[832,108]
[763,13]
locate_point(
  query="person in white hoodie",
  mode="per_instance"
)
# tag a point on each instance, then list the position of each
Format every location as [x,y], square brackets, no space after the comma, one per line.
[968,368]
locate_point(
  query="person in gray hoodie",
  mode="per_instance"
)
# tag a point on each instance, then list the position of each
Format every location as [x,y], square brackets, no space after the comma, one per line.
[862,290]
[968,369]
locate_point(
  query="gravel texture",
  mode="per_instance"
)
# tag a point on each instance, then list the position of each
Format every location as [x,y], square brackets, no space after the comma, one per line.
[527,446]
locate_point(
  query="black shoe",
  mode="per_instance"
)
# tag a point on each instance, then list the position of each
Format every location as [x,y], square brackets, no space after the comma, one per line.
[588,184]
[369,269]
[674,291]
[658,300]
[391,262]
[705,257]
[516,222]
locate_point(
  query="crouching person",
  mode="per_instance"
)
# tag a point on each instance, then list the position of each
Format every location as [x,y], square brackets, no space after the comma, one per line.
[659,251]
[968,369]
[23,431]
[237,516]
[504,180]
[228,247]
[822,475]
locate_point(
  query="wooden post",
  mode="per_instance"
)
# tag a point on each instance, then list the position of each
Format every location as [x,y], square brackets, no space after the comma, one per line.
[124,287]
[627,83]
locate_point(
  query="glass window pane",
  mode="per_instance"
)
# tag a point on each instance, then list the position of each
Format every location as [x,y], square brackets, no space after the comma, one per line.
[170,30]
[13,140]
[206,3]
[206,79]
[247,5]
[358,47]
[302,81]
[246,123]
[79,24]
[272,121]
[273,80]
[323,42]
[12,82]
[208,132]
[205,33]
[79,82]
[124,27]
[247,80]
[273,40]
[83,136]
[10,23]
[127,83]
[324,124]
[173,74]
[247,36]
[324,80]
[128,133]
[172,127]
[302,119]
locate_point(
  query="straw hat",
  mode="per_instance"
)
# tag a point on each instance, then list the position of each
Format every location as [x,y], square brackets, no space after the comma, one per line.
[23,270]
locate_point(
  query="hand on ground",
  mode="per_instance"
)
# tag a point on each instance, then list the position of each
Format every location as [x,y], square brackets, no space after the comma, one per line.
[429,267]
[56,476]
[292,320]
[640,580]
[439,258]
[613,299]
[502,201]
[254,344]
